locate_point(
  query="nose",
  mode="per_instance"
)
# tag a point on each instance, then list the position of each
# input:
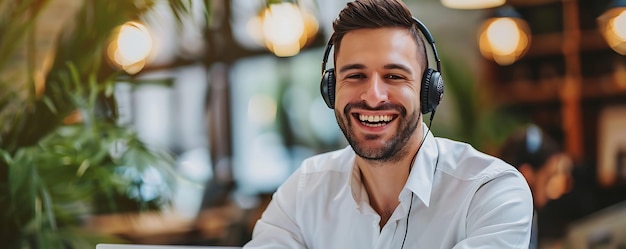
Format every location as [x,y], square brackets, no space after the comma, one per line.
[375,92]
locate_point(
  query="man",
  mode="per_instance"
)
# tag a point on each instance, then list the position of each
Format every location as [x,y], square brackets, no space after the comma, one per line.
[396,185]
[543,163]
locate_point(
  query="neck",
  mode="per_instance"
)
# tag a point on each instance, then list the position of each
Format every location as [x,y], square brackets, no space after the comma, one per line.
[384,181]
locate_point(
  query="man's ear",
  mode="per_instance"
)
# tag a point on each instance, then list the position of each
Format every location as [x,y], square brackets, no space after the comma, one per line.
[528,172]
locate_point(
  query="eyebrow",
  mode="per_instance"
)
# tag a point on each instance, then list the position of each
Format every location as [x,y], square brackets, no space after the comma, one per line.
[350,67]
[388,66]
[398,66]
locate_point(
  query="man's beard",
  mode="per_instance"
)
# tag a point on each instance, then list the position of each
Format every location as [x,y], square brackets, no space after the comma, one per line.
[391,150]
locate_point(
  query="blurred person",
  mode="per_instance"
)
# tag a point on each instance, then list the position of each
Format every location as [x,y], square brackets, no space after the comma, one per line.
[395,185]
[541,160]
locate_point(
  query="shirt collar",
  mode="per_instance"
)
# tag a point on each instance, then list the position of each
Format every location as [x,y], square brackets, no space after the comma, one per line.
[420,179]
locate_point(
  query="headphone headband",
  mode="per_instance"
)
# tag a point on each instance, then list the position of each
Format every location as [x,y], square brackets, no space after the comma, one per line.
[431,41]
[329,46]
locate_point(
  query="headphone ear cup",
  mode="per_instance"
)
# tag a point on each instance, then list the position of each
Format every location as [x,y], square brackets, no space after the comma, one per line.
[432,90]
[327,87]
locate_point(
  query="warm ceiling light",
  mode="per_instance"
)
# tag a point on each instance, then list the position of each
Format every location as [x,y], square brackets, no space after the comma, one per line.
[283,27]
[613,26]
[504,38]
[472,4]
[283,23]
[130,47]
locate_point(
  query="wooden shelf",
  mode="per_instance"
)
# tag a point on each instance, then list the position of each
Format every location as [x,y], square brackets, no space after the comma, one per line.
[565,43]
[543,91]
[552,44]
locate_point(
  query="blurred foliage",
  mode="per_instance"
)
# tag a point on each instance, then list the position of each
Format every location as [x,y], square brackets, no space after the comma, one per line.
[63,157]
[478,121]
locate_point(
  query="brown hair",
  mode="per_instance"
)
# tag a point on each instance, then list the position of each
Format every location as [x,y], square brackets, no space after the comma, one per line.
[371,14]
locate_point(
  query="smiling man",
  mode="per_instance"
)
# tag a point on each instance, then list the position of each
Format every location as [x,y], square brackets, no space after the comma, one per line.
[396,185]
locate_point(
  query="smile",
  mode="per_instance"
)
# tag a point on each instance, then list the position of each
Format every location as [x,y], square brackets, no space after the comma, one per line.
[374,120]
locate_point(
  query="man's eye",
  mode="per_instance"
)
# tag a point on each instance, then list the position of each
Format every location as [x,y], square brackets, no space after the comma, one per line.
[356,76]
[394,77]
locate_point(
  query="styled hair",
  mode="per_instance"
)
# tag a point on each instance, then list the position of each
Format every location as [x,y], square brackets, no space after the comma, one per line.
[372,14]
[529,145]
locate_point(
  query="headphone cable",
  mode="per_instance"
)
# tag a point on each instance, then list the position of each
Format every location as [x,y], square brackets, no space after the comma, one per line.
[406,228]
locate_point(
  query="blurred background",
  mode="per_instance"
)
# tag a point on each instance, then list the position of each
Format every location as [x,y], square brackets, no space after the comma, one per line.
[173,121]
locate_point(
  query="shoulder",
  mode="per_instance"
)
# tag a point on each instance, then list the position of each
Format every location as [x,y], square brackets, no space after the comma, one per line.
[327,170]
[464,162]
[492,184]
[333,161]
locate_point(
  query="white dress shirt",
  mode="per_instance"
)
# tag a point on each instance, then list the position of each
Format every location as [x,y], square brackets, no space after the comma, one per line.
[462,198]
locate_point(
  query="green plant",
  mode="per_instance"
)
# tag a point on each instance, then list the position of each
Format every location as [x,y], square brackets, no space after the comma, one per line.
[477,121]
[63,157]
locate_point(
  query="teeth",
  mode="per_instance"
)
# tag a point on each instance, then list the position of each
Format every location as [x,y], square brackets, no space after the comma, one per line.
[374,118]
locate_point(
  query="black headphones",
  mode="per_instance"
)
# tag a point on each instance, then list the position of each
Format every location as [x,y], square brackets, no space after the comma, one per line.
[432,82]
